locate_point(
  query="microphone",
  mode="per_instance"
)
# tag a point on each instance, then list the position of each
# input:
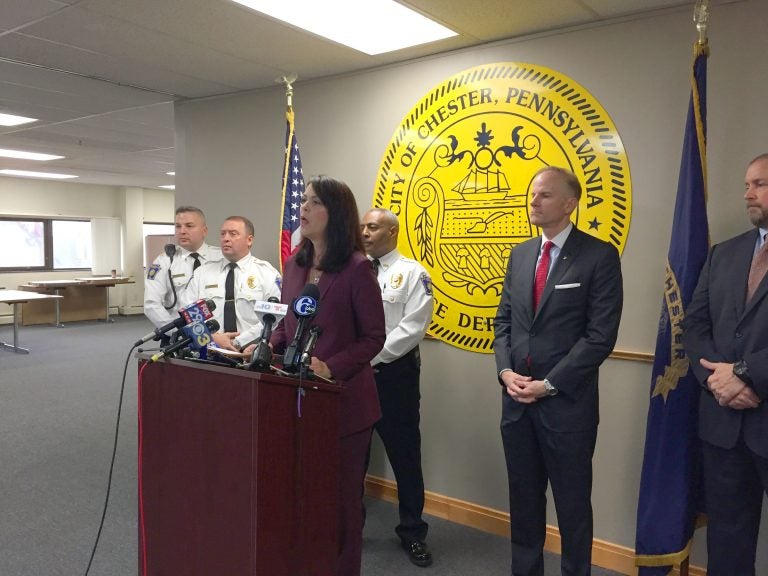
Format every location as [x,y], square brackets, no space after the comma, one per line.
[262,355]
[270,312]
[198,311]
[197,335]
[304,308]
[306,356]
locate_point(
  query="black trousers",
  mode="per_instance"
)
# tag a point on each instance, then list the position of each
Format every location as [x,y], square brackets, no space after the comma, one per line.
[536,456]
[734,482]
[399,396]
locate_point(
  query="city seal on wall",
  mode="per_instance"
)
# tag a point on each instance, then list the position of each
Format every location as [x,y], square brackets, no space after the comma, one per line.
[458,174]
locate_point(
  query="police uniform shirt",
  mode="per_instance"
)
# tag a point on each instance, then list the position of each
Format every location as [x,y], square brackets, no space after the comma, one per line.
[157,286]
[406,291]
[255,280]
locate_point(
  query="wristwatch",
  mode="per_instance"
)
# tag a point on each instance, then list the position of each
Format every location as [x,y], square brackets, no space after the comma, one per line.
[549,389]
[742,372]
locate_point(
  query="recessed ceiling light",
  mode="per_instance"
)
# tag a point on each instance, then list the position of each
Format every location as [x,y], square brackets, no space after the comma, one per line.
[29,174]
[28,155]
[168,187]
[11,120]
[171,173]
[370,26]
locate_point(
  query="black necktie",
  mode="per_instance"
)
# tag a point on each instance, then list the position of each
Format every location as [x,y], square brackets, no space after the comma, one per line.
[230,322]
[196,258]
[376,265]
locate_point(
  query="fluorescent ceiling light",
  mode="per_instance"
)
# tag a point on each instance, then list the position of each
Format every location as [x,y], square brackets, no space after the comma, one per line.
[370,26]
[168,187]
[29,174]
[11,120]
[28,155]
[171,173]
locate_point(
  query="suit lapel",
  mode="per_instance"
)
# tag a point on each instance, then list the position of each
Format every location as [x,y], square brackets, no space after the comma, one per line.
[528,255]
[326,281]
[743,262]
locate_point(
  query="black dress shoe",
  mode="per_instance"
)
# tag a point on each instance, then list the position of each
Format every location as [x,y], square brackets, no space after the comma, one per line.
[418,553]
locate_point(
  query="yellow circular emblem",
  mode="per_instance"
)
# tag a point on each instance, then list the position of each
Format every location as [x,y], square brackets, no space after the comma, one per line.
[458,172]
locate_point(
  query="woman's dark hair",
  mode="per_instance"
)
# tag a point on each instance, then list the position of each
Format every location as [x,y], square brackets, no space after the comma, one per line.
[342,233]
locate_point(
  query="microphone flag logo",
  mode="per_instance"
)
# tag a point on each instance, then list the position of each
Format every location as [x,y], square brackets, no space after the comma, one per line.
[305,306]
[196,312]
[198,333]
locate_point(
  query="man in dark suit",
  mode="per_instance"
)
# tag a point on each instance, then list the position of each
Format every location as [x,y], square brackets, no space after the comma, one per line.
[557,321]
[726,338]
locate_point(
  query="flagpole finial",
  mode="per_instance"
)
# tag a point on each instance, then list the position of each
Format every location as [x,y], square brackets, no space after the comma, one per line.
[288,81]
[701,18]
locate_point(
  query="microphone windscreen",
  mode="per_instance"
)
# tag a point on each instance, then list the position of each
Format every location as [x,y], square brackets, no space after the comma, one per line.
[213,325]
[170,250]
[311,290]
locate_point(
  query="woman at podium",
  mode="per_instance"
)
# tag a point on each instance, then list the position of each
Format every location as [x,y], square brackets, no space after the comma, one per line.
[350,317]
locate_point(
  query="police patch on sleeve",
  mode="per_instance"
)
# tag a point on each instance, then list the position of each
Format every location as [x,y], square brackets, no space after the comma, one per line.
[427,283]
[279,282]
[152,272]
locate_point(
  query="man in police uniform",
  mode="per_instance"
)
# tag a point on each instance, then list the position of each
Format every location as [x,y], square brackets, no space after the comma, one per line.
[407,295]
[247,278]
[166,288]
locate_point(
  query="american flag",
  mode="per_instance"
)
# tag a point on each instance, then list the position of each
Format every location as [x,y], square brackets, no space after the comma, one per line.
[293,188]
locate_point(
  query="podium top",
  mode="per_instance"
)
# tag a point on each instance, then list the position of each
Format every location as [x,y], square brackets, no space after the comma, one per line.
[265,376]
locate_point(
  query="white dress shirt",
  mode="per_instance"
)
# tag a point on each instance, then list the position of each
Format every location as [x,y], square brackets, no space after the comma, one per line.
[255,280]
[406,292]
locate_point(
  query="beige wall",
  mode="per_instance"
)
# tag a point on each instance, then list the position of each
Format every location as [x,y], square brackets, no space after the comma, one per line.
[229,160]
[27,197]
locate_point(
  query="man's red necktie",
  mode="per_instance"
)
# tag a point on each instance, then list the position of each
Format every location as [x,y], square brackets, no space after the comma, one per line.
[542,269]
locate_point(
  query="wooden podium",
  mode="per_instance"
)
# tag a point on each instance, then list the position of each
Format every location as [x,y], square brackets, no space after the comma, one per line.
[233,480]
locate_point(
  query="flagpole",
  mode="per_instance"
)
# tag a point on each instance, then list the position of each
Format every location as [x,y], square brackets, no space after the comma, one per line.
[701,19]
[293,180]
[288,81]
[669,498]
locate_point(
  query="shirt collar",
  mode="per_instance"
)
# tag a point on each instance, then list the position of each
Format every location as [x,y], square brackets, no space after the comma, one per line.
[202,251]
[388,259]
[240,263]
[560,238]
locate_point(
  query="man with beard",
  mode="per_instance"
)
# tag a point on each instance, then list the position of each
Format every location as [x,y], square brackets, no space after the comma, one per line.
[726,338]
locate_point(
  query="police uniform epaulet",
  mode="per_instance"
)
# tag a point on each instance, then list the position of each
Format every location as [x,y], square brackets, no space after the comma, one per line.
[409,260]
